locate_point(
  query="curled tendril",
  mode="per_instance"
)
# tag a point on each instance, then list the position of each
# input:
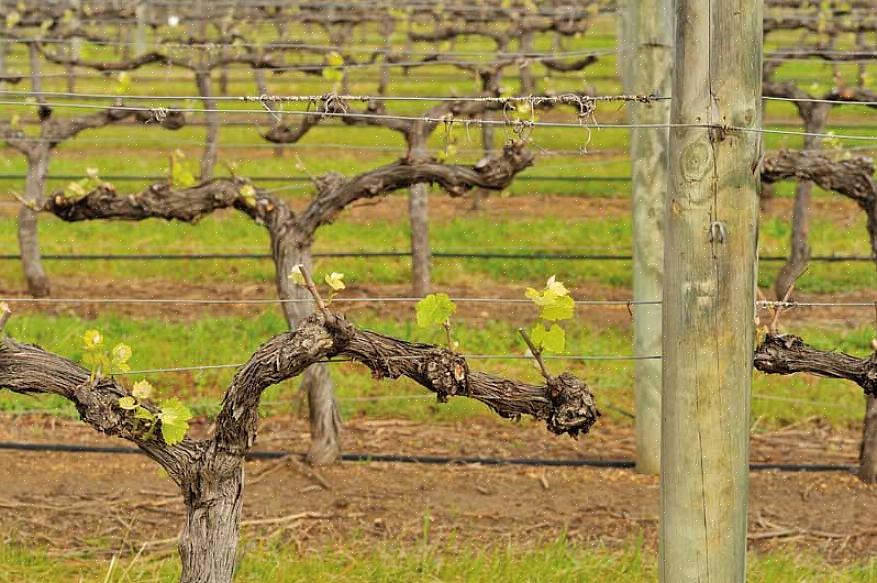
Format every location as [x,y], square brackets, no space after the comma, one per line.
[159,114]
[334,103]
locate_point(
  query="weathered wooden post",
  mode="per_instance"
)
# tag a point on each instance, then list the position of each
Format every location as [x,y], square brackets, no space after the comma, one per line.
[647,64]
[141,13]
[708,294]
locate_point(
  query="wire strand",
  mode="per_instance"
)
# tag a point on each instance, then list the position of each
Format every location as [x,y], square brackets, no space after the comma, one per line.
[465,121]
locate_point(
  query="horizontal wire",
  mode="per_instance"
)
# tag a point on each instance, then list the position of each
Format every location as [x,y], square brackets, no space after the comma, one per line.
[569,98]
[467,122]
[819,100]
[781,304]
[269,301]
[184,301]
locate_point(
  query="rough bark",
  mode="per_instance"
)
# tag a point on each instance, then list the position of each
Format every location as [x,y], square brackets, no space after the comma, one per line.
[262,88]
[210,472]
[788,354]
[815,116]
[37,166]
[868,451]
[211,138]
[28,232]
[418,217]
[418,220]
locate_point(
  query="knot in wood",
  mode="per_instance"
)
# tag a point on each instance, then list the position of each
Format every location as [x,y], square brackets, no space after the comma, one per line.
[868,381]
[445,373]
[573,409]
[340,328]
[772,355]
[329,182]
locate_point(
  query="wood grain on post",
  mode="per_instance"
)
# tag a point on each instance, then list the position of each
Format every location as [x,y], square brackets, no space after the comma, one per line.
[708,293]
[648,65]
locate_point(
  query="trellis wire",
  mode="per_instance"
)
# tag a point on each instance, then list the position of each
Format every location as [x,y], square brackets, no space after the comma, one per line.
[464,121]
[185,301]
[529,256]
[565,98]
[568,98]
[269,301]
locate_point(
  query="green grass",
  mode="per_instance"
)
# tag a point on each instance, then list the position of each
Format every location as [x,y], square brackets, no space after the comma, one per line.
[229,232]
[222,340]
[358,562]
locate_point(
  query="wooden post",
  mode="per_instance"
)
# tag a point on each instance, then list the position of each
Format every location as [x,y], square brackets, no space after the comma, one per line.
[708,295]
[140,12]
[647,68]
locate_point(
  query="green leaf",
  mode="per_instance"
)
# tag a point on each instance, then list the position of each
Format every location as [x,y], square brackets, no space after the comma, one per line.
[142,389]
[174,420]
[335,281]
[121,354]
[561,309]
[127,403]
[181,175]
[92,339]
[554,339]
[548,339]
[335,59]
[556,287]
[434,310]
[143,413]
[12,18]
[296,275]
[330,74]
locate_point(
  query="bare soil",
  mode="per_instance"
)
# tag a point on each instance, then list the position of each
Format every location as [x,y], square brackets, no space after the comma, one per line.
[102,503]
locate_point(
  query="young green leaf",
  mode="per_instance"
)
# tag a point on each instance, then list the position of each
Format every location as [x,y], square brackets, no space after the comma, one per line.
[296,275]
[561,309]
[143,413]
[92,339]
[121,354]
[174,420]
[335,281]
[142,389]
[548,339]
[556,287]
[181,176]
[127,403]
[434,310]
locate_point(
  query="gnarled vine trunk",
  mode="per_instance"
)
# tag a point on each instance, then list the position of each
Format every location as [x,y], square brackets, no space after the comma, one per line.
[291,249]
[868,451]
[213,495]
[799,252]
[418,216]
[211,138]
[28,231]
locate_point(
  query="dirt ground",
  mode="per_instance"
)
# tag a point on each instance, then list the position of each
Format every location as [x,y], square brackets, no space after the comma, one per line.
[124,503]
